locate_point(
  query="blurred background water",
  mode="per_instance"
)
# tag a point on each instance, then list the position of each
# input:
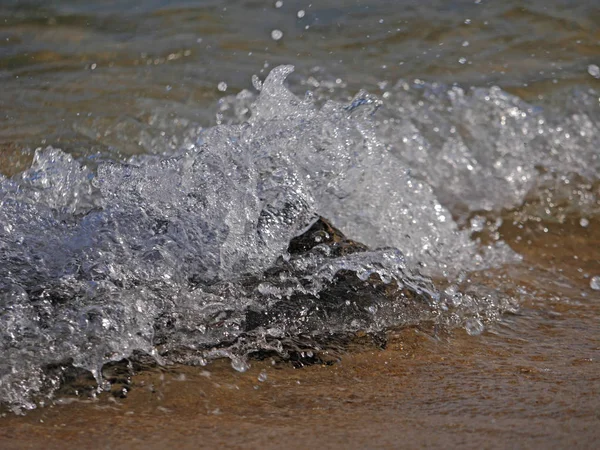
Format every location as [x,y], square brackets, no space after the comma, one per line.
[93,75]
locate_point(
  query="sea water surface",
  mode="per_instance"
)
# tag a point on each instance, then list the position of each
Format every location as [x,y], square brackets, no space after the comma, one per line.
[158,158]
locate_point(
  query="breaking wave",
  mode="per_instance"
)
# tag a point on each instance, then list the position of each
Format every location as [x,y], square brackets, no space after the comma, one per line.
[220,248]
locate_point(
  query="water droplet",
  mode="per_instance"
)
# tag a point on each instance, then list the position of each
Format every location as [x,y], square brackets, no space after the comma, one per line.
[222,86]
[300,14]
[474,327]
[584,222]
[594,71]
[363,274]
[239,364]
[595,283]
[276,34]
[262,377]
[478,223]
[451,290]
[278,4]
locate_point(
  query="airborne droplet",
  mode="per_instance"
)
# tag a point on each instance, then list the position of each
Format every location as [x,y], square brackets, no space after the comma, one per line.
[276,35]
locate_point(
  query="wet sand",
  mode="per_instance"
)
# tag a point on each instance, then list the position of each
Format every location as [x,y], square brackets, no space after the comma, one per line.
[532,381]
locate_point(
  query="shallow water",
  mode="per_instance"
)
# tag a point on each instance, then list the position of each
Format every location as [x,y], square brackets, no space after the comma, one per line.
[531,381]
[64,65]
[457,140]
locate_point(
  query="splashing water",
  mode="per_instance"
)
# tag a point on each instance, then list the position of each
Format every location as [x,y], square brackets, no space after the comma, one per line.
[191,249]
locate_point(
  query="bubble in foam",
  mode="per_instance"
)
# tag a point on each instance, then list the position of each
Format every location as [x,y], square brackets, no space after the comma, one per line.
[474,327]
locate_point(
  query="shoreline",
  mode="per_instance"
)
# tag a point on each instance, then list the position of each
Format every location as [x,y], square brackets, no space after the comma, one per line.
[530,380]
[418,393]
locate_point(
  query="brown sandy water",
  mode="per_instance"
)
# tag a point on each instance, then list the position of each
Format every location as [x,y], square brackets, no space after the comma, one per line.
[531,381]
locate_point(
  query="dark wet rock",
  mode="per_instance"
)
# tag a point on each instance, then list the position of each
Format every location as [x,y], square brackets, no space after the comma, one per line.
[323,233]
[289,316]
[343,304]
[345,299]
